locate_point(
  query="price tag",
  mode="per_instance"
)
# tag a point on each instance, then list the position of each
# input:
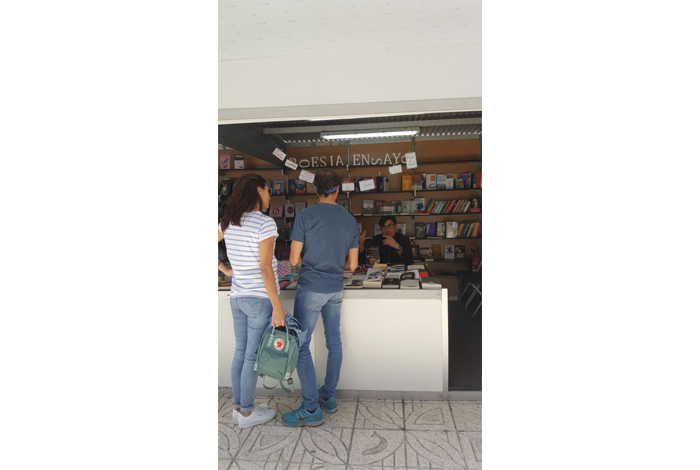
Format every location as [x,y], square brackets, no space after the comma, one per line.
[279,154]
[348,186]
[395,169]
[411,161]
[366,185]
[307,176]
[291,164]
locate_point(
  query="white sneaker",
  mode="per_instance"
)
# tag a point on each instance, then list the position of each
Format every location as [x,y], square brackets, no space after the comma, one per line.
[257,416]
[235,414]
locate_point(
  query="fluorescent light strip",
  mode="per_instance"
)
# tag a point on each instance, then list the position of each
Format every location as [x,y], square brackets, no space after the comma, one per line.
[361,135]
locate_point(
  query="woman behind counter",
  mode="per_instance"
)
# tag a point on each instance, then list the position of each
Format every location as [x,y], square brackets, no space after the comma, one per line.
[250,242]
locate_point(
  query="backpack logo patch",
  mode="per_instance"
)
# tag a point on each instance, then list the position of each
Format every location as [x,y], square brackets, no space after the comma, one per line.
[279,344]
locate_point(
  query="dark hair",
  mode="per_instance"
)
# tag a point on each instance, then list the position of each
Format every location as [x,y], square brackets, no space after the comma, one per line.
[244,198]
[325,180]
[385,218]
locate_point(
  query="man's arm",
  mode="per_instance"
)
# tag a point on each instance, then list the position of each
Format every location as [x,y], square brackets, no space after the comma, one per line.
[351,259]
[295,253]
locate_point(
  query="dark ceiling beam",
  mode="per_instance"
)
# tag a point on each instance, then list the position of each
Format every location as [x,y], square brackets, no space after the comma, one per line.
[249,139]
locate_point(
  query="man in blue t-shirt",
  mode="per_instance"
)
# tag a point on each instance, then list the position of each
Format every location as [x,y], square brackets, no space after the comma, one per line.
[324,239]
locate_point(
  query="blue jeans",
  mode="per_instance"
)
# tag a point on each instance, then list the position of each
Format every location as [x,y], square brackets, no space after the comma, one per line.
[251,316]
[307,307]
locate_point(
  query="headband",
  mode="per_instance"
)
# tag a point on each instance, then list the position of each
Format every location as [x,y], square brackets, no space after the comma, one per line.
[330,190]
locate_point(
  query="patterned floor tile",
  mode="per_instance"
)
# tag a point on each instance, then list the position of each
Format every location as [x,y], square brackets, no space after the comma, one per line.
[327,447]
[428,416]
[230,440]
[269,444]
[471,445]
[434,449]
[344,417]
[282,405]
[379,414]
[224,464]
[467,415]
[223,400]
[377,448]
[248,465]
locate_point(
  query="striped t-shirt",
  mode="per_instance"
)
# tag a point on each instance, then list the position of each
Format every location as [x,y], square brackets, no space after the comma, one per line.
[243,250]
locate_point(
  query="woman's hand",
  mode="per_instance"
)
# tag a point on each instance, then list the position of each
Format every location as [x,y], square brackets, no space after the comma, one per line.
[278,315]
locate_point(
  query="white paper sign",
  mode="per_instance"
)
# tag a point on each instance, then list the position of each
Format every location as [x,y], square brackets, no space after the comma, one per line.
[411,161]
[395,169]
[291,164]
[279,154]
[366,184]
[307,176]
[348,186]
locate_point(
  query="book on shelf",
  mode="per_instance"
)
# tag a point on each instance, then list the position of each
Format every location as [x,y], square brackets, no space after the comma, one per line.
[299,206]
[459,183]
[417,181]
[310,188]
[283,234]
[466,179]
[440,181]
[289,210]
[343,203]
[378,205]
[300,187]
[440,230]
[430,229]
[359,227]
[284,254]
[377,229]
[292,186]
[396,207]
[401,228]
[224,161]
[276,211]
[367,207]
[426,253]
[431,283]
[478,179]
[415,249]
[460,231]
[475,206]
[278,188]
[406,207]
[225,188]
[437,252]
[474,179]
[420,230]
[420,205]
[460,252]
[374,278]
[449,252]
[238,162]
[431,181]
[451,229]
[450,183]
[406,182]
[372,255]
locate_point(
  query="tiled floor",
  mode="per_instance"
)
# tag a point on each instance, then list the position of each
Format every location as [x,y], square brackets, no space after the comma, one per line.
[364,434]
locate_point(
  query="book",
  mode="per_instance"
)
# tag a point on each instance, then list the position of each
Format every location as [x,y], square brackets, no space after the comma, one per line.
[426,253]
[401,228]
[420,230]
[356,281]
[276,211]
[406,207]
[460,252]
[431,283]
[372,255]
[417,181]
[415,249]
[347,277]
[478,179]
[391,282]
[299,206]
[359,227]
[420,205]
[283,233]
[449,252]
[284,253]
[475,206]
[385,184]
[440,230]
[378,205]
[310,188]
[395,207]
[431,181]
[451,229]
[225,188]
[409,280]
[343,203]
[473,180]
[466,179]
[239,163]
[459,183]
[440,181]
[374,278]
[437,252]
[416,266]
[289,210]
[278,188]
[450,183]
[406,183]
[224,162]
[367,207]
[292,187]
[300,187]
[430,229]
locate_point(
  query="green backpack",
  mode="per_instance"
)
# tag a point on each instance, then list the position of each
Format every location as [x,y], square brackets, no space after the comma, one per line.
[278,353]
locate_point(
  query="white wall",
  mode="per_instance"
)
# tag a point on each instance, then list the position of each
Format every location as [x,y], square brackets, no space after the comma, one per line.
[406,80]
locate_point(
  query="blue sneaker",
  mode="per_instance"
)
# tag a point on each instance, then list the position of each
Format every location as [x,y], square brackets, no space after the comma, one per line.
[328,406]
[301,417]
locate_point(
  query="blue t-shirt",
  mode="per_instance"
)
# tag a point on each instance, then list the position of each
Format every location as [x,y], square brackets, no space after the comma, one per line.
[328,231]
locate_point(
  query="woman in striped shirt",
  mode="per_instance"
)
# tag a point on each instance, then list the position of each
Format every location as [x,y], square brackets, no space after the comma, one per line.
[250,243]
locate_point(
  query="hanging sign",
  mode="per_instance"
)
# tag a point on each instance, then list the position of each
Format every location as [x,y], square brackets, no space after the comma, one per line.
[411,161]
[307,176]
[279,154]
[367,184]
[395,169]
[290,164]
